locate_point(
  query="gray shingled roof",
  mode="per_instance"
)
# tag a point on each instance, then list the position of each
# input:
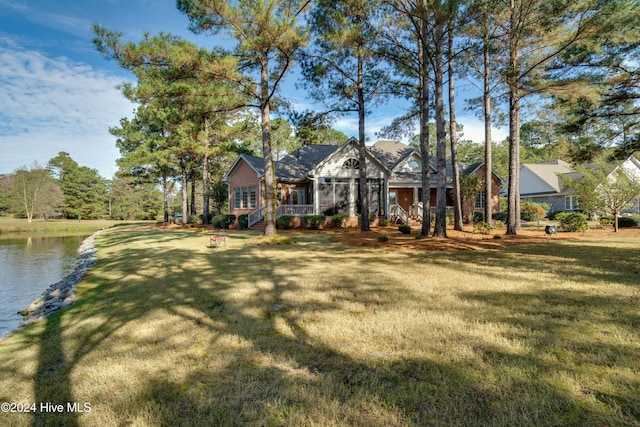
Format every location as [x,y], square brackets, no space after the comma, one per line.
[256,163]
[297,164]
[390,153]
[549,172]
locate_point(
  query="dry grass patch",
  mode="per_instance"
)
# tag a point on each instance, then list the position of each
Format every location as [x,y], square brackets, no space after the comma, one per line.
[168,331]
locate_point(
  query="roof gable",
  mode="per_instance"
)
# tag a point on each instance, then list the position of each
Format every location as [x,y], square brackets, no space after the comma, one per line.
[543,178]
[391,153]
[632,167]
[472,169]
[341,150]
[255,163]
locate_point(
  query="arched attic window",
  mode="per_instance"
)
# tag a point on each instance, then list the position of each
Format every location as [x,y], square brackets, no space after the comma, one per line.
[351,164]
[414,166]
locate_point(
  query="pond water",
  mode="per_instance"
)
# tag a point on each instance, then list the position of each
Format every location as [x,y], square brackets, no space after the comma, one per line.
[28,266]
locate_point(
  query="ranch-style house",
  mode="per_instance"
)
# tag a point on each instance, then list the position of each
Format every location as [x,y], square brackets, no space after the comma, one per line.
[324,179]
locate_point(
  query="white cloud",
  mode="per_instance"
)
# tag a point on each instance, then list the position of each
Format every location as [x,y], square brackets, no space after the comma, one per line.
[54,104]
[473,129]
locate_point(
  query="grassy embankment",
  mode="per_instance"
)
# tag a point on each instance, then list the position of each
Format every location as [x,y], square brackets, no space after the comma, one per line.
[11,227]
[170,332]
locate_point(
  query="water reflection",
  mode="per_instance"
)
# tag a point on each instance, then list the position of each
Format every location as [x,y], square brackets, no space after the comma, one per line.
[28,265]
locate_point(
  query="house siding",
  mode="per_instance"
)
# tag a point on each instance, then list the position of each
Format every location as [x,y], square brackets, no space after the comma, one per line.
[333,167]
[495,190]
[244,176]
[557,202]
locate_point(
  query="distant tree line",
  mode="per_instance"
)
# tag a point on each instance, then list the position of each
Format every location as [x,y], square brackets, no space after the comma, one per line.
[64,189]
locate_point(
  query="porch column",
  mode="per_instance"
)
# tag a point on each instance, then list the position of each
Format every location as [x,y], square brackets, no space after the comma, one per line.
[385,196]
[353,189]
[316,201]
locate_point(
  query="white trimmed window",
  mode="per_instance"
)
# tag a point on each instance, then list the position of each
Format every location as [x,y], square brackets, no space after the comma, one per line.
[236,198]
[244,198]
[570,203]
[480,200]
[252,197]
[351,164]
[393,197]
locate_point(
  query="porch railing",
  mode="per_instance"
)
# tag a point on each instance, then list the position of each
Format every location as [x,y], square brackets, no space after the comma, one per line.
[399,213]
[416,210]
[255,217]
[294,210]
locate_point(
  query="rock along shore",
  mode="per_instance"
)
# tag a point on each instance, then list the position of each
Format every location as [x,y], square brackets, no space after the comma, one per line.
[63,293]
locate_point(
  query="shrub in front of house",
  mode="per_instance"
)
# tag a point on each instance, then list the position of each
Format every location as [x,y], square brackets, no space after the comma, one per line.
[500,216]
[626,221]
[606,223]
[558,216]
[338,220]
[530,211]
[573,222]
[553,215]
[372,218]
[223,221]
[314,222]
[243,221]
[383,239]
[404,229]
[384,223]
[482,227]
[499,225]
[478,217]
[285,222]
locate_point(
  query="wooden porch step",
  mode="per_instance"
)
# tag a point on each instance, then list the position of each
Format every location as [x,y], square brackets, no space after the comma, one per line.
[258,225]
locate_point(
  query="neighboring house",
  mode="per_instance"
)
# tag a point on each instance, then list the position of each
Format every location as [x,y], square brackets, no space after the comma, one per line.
[324,179]
[543,183]
[478,169]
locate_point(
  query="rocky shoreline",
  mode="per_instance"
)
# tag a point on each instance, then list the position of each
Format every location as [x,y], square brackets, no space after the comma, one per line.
[61,294]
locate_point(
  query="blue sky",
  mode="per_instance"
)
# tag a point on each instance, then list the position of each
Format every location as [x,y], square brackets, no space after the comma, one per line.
[57,93]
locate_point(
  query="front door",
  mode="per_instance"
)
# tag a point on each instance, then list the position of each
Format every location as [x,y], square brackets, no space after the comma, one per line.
[405,198]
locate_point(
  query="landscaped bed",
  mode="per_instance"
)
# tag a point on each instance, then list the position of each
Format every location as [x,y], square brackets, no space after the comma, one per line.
[168,331]
[467,240]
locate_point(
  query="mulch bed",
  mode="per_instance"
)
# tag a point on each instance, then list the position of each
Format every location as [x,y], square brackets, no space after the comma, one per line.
[456,240]
[467,240]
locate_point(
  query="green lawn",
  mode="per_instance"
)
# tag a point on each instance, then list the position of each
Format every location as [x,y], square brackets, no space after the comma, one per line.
[170,332]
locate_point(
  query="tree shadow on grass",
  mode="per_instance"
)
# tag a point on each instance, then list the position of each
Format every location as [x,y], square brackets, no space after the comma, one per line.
[277,376]
[582,261]
[572,333]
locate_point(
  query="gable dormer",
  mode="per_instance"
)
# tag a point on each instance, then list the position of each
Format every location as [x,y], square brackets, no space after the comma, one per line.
[412,163]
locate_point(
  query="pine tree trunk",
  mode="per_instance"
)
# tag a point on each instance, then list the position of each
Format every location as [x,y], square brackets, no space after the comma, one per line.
[424,127]
[192,207]
[453,135]
[269,168]
[165,198]
[513,198]
[362,151]
[185,195]
[205,189]
[440,228]
[488,163]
